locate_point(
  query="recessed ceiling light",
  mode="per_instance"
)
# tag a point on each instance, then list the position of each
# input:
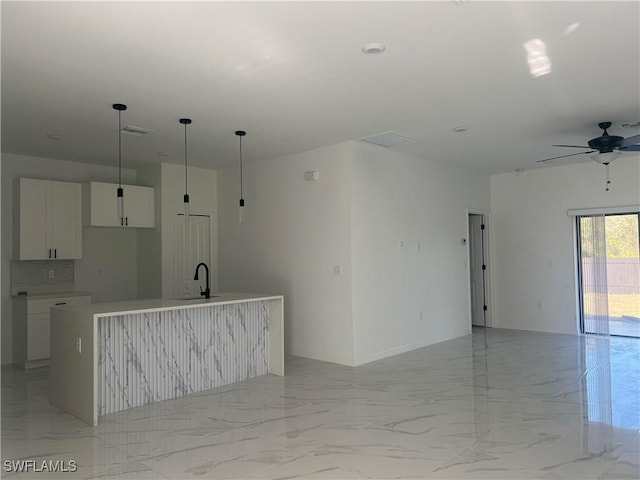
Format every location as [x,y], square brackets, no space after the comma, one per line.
[374,48]
[460,128]
[54,136]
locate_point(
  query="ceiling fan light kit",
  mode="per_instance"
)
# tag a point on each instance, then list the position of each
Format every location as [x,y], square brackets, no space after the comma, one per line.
[606,158]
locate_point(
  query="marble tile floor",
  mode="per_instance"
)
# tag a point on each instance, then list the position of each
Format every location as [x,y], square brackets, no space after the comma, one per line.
[497,404]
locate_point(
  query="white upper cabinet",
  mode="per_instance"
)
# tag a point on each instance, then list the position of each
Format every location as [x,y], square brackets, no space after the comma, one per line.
[49,220]
[139,206]
[101,206]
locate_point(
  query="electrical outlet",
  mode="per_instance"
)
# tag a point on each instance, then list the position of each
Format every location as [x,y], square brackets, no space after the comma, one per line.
[52,273]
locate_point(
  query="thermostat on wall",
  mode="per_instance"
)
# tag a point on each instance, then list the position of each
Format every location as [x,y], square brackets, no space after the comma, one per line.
[312,175]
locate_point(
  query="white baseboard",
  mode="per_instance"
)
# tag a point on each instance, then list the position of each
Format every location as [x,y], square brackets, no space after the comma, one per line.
[372,357]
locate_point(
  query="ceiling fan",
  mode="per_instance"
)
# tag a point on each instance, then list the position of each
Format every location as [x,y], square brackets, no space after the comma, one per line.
[603,149]
[602,145]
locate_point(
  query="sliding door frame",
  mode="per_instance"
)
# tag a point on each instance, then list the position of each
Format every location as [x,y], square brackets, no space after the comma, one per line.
[579,274]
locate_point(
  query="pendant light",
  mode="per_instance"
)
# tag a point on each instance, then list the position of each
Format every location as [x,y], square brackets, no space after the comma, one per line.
[185,122]
[240,134]
[120,192]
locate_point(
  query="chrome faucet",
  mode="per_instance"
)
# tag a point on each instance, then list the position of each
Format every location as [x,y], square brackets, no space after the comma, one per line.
[207,292]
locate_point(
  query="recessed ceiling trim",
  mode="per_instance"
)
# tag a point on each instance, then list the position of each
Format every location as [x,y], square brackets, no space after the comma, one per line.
[374,48]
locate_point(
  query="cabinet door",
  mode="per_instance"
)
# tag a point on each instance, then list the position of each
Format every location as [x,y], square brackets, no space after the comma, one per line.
[66,220]
[34,214]
[104,205]
[139,206]
[38,332]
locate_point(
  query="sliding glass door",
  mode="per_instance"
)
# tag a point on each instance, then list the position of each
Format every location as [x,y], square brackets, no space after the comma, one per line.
[609,273]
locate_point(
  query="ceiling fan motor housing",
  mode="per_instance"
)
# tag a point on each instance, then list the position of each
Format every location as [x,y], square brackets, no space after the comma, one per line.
[605,143]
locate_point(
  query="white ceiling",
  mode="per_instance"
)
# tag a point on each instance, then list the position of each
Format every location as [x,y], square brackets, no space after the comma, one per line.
[293,75]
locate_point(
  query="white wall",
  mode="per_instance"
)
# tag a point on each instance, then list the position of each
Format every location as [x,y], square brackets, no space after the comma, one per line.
[295,232]
[365,202]
[406,298]
[108,266]
[534,281]
[149,240]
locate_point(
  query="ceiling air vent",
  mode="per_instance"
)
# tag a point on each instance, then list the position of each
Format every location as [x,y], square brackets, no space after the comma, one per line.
[136,131]
[388,139]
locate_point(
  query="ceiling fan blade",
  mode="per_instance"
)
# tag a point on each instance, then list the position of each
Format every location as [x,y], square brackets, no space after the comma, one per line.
[563,156]
[571,146]
[630,148]
[627,142]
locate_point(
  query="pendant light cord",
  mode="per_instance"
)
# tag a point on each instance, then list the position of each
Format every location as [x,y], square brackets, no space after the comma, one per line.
[186,190]
[119,148]
[120,192]
[241,196]
[185,122]
[240,134]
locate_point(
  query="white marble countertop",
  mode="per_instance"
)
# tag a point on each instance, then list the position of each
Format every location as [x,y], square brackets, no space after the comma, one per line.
[35,296]
[110,309]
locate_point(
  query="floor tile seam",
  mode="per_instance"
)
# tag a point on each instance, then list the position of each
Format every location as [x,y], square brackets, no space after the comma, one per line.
[332,465]
[276,438]
[102,472]
[423,450]
[265,470]
[146,464]
[323,458]
[631,446]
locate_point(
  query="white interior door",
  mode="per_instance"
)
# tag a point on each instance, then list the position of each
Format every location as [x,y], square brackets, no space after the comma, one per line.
[192,247]
[476,269]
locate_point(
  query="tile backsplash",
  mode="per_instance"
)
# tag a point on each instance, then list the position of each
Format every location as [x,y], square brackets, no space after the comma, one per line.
[32,276]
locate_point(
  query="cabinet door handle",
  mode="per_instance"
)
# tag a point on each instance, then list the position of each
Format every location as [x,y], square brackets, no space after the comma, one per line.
[126,221]
[49,253]
[61,303]
[55,253]
[121,221]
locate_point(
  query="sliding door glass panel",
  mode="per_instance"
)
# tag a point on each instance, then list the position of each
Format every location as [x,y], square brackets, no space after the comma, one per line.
[609,249]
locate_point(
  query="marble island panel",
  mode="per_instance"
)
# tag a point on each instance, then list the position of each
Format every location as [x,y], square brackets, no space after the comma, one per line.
[112,356]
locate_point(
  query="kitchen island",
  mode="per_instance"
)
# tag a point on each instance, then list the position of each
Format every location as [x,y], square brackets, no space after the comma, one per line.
[107,357]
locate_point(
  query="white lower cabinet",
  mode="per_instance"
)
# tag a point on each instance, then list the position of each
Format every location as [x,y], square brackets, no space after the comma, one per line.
[32,326]
[38,328]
